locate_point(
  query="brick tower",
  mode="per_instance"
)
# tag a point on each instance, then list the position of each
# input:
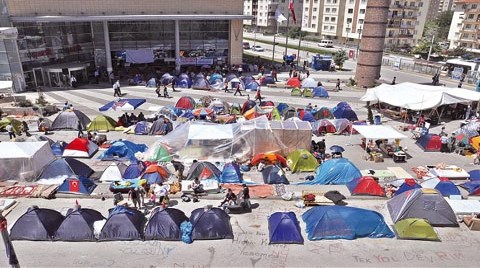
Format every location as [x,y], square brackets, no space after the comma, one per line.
[372,43]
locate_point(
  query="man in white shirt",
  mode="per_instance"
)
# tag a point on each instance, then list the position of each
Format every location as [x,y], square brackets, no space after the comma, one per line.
[11,132]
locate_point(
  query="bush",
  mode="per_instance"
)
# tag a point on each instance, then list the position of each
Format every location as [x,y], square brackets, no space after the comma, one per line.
[24,103]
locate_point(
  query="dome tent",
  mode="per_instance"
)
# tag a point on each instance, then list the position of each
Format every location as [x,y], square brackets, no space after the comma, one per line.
[80,147]
[202,171]
[185,103]
[210,223]
[134,170]
[68,120]
[37,224]
[114,172]
[407,185]
[366,185]
[155,174]
[415,229]
[65,167]
[102,123]
[231,174]
[335,171]
[429,143]
[164,224]
[274,175]
[78,225]
[122,150]
[77,185]
[301,160]
[283,228]
[123,224]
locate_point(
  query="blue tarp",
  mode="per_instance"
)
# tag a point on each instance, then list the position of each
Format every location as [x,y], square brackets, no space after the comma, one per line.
[231,174]
[123,150]
[320,92]
[447,188]
[340,222]
[141,128]
[474,175]
[283,228]
[118,104]
[473,187]
[335,171]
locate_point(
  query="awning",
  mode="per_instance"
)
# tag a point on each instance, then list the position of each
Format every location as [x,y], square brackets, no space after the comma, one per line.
[376,132]
[210,132]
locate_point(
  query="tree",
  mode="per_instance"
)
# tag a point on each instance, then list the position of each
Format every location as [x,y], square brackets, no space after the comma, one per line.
[295,32]
[423,47]
[340,57]
[444,20]
[456,52]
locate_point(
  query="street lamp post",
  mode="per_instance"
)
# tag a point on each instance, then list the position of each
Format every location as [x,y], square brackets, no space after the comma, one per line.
[347,30]
[358,41]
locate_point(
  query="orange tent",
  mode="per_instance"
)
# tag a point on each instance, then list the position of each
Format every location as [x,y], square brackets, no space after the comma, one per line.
[270,158]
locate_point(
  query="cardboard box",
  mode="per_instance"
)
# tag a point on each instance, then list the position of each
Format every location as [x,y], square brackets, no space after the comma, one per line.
[472,223]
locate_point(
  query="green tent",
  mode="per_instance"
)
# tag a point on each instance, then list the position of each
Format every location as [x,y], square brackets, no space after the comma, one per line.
[301,160]
[17,125]
[102,123]
[161,154]
[296,92]
[307,93]
[276,115]
[415,228]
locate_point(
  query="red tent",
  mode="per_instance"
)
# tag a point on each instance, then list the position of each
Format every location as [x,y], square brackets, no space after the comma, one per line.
[80,147]
[430,142]
[294,82]
[324,126]
[185,103]
[366,185]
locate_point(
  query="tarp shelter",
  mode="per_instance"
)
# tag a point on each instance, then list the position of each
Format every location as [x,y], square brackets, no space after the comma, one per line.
[429,143]
[122,105]
[415,229]
[164,224]
[320,92]
[420,97]
[301,161]
[65,167]
[341,222]
[134,170]
[68,120]
[377,132]
[474,174]
[23,160]
[231,174]
[157,127]
[77,185]
[366,185]
[102,123]
[293,135]
[78,225]
[37,224]
[283,228]
[273,174]
[407,185]
[185,103]
[335,171]
[210,223]
[294,82]
[344,110]
[123,150]
[123,224]
[115,172]
[202,171]
[309,83]
[80,147]
[155,174]
[422,203]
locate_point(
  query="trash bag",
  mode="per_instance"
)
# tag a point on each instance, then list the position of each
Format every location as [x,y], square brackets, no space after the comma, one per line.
[335,196]
[186,228]
[288,196]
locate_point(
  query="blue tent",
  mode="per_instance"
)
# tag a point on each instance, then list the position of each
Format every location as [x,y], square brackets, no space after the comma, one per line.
[78,225]
[164,224]
[231,174]
[58,147]
[343,110]
[210,223]
[37,224]
[122,105]
[200,82]
[183,81]
[408,185]
[229,77]
[274,175]
[283,228]
[187,114]
[306,116]
[247,79]
[123,150]
[447,188]
[474,175]
[473,187]
[281,107]
[123,224]
[141,128]
[252,86]
[214,77]
[340,222]
[335,171]
[134,170]
[65,167]
[320,92]
[77,185]
[268,80]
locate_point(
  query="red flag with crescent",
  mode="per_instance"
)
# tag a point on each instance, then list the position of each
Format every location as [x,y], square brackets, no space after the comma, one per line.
[74,185]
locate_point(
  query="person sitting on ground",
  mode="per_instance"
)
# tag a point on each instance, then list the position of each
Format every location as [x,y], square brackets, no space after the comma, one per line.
[229,199]
[197,187]
[141,117]
[96,139]
[133,119]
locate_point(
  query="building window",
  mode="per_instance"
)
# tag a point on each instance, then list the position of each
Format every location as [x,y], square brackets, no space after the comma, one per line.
[349,20]
[334,10]
[314,25]
[333,19]
[350,11]
[327,18]
[327,10]
[360,21]
[362,11]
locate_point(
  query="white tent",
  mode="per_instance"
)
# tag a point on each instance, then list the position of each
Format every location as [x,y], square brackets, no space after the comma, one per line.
[24,160]
[419,97]
[375,132]
[309,83]
[114,172]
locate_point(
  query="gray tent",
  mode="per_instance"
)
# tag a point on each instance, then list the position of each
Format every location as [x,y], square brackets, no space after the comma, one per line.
[69,119]
[421,203]
[157,127]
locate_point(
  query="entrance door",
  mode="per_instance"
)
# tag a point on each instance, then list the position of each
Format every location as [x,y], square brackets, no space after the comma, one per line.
[38,76]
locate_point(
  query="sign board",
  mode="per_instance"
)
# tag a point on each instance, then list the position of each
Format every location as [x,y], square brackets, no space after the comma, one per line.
[188,61]
[204,61]
[457,73]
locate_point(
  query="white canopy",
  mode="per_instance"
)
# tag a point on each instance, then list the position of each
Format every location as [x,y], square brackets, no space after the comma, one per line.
[210,132]
[375,132]
[419,97]
[5,85]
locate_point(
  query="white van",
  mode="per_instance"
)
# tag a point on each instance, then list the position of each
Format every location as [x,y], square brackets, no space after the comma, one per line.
[325,43]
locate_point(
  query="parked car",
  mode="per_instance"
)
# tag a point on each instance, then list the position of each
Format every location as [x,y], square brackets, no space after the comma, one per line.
[325,43]
[258,48]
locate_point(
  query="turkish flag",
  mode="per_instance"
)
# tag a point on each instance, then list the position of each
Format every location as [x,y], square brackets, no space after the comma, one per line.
[206,174]
[74,185]
[290,6]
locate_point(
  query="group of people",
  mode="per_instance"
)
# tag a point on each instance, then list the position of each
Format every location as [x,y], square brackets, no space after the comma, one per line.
[318,149]
[128,120]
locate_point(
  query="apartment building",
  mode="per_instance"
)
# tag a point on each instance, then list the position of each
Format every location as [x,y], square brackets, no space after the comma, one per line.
[446,5]
[353,21]
[465,27]
[263,12]
[312,17]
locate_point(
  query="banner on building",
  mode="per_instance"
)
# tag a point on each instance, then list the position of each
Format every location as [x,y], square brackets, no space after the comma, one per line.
[204,61]
[188,61]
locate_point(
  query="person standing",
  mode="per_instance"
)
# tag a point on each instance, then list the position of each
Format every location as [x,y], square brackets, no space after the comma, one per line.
[226,88]
[321,148]
[337,86]
[25,128]
[142,192]
[11,132]
[173,85]
[73,81]
[240,70]
[274,74]
[246,197]
[97,76]
[237,90]
[444,142]
[394,81]
[133,195]
[258,95]
[80,129]
[290,73]
[116,90]
[165,92]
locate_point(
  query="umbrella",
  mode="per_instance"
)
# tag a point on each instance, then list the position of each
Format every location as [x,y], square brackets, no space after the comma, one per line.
[203,112]
[337,149]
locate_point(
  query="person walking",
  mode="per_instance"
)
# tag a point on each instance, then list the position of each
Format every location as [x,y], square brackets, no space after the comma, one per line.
[134,196]
[80,129]
[173,85]
[258,95]
[25,128]
[73,81]
[97,76]
[394,81]
[274,74]
[337,86]
[10,130]
[237,90]
[165,92]
[226,88]
[444,142]
[116,89]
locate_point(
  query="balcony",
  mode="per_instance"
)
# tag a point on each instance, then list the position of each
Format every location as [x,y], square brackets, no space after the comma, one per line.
[403,7]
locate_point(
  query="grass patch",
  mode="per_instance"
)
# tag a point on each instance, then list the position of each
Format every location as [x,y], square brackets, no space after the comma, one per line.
[309,49]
